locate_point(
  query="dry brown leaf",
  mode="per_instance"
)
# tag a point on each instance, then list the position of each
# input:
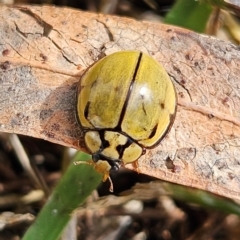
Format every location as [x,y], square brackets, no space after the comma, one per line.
[44,50]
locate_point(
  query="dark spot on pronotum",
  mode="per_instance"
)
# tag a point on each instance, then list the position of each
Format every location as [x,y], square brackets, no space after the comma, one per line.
[86,110]
[5,65]
[120,149]
[105,143]
[5,52]
[153,131]
[187,56]
[162,105]
[169,30]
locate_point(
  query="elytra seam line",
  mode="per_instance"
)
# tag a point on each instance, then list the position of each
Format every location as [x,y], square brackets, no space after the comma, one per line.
[129,93]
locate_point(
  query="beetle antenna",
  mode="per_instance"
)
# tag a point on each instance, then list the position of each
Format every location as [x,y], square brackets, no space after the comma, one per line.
[83,162]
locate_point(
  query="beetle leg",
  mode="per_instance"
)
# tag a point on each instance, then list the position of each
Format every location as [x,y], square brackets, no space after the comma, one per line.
[84,162]
[135,166]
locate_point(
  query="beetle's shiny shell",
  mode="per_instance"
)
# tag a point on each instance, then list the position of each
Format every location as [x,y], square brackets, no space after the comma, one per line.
[125,102]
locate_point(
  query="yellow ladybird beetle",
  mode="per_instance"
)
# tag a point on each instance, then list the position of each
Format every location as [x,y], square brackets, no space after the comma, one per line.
[126,102]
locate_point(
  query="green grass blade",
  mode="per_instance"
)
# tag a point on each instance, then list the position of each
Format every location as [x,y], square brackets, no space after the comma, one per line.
[189,14]
[76,185]
[202,198]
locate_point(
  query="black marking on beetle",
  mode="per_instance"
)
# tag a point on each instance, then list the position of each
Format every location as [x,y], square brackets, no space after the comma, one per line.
[105,143]
[129,93]
[121,148]
[171,121]
[96,156]
[114,163]
[86,110]
[153,132]
[143,108]
[93,84]
[162,105]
